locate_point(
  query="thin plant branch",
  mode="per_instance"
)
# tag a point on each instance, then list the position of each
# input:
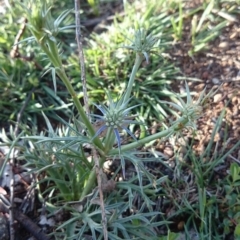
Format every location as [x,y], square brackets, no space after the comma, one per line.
[99,174]
[14,53]
[11,209]
[85,97]
[15,50]
[81,55]
[25,221]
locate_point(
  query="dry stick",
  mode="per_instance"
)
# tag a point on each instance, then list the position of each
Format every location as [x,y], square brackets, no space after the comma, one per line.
[26,222]
[81,55]
[14,52]
[11,210]
[30,226]
[15,49]
[84,85]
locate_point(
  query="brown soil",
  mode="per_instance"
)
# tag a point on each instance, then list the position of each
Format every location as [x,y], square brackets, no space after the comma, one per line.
[217,67]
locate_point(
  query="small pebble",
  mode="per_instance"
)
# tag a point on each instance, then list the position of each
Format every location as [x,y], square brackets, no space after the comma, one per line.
[235,100]
[223,45]
[168,151]
[215,81]
[224,62]
[230,62]
[233,35]
[217,97]
[200,86]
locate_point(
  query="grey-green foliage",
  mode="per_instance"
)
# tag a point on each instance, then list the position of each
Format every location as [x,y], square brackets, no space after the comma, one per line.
[121,224]
[61,156]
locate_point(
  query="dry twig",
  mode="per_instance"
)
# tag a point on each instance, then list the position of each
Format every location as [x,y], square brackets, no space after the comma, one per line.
[15,49]
[11,209]
[84,85]
[26,222]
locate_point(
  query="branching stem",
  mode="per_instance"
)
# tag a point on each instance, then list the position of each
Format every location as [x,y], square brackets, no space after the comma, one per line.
[138,61]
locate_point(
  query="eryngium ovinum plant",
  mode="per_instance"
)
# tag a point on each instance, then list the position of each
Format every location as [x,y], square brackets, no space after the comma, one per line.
[115,117]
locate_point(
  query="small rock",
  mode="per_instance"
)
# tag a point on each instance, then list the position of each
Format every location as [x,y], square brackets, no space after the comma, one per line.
[224,63]
[168,151]
[235,100]
[235,111]
[233,35]
[223,45]
[215,81]
[230,61]
[183,141]
[200,87]
[107,164]
[217,97]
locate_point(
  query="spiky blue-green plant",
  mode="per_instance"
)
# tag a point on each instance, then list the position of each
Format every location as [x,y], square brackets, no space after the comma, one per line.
[115,117]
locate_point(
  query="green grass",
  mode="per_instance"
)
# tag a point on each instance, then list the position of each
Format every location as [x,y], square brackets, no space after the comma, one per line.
[199,195]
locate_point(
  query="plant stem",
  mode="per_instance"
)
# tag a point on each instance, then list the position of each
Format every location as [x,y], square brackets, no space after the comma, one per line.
[54,58]
[138,61]
[143,141]
[110,133]
[110,138]
[91,182]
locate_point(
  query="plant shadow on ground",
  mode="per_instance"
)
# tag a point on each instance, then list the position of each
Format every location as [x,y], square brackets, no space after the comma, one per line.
[201,192]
